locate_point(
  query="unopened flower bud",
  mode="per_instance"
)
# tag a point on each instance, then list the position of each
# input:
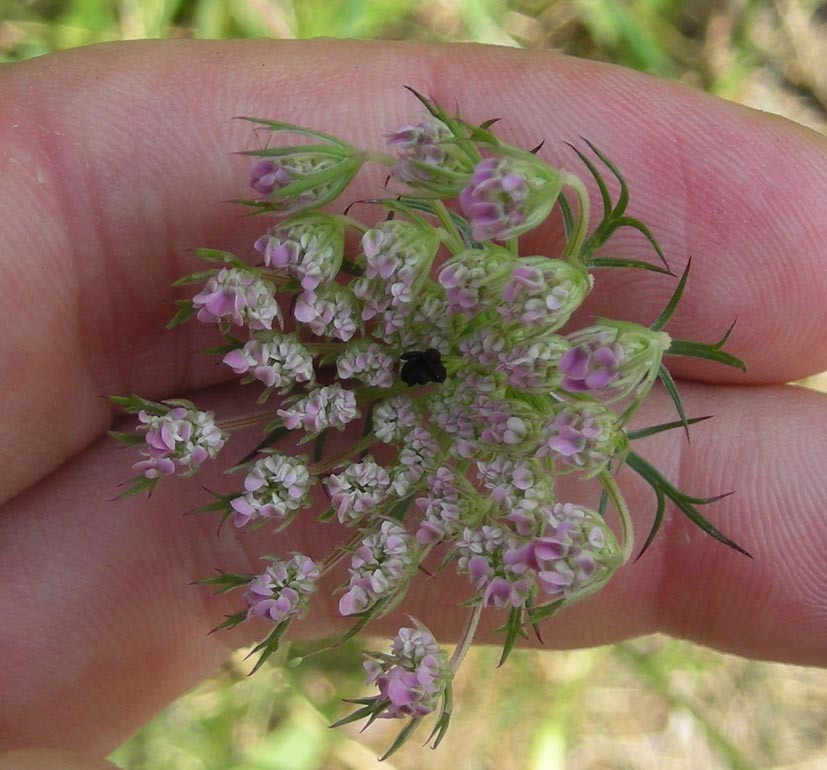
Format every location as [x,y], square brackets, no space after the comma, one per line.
[582,436]
[473,280]
[429,159]
[612,361]
[575,555]
[309,247]
[508,196]
[543,293]
[297,178]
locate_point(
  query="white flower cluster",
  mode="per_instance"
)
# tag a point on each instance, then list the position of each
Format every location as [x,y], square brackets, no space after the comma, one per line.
[381,564]
[275,488]
[178,440]
[324,407]
[280,361]
[359,489]
[238,296]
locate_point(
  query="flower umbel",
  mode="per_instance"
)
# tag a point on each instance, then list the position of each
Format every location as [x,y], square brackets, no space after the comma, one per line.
[460,386]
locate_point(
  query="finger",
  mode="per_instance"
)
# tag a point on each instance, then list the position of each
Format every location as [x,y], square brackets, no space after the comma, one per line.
[99,612]
[116,163]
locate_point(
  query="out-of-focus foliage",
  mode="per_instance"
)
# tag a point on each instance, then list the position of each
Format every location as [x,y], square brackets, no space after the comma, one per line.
[652,704]
[768,54]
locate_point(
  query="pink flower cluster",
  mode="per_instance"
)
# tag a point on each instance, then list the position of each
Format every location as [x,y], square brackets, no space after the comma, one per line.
[398,257]
[275,488]
[324,407]
[238,296]
[494,200]
[574,554]
[360,489]
[283,590]
[381,565]
[280,361]
[413,677]
[177,441]
[581,436]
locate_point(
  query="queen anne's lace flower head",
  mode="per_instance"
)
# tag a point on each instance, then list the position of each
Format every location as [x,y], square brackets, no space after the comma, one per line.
[455,374]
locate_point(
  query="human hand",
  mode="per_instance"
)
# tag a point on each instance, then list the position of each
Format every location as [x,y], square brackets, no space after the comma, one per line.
[116,163]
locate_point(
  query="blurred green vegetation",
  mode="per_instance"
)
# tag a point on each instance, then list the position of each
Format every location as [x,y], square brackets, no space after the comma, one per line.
[654,703]
[651,704]
[767,54]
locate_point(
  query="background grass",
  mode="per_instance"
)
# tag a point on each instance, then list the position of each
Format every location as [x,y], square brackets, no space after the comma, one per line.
[652,703]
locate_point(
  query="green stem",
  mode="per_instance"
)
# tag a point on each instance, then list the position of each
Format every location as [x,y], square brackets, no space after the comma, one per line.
[619,502]
[360,446]
[382,158]
[339,553]
[581,226]
[466,638]
[454,240]
[324,347]
[247,421]
[353,223]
